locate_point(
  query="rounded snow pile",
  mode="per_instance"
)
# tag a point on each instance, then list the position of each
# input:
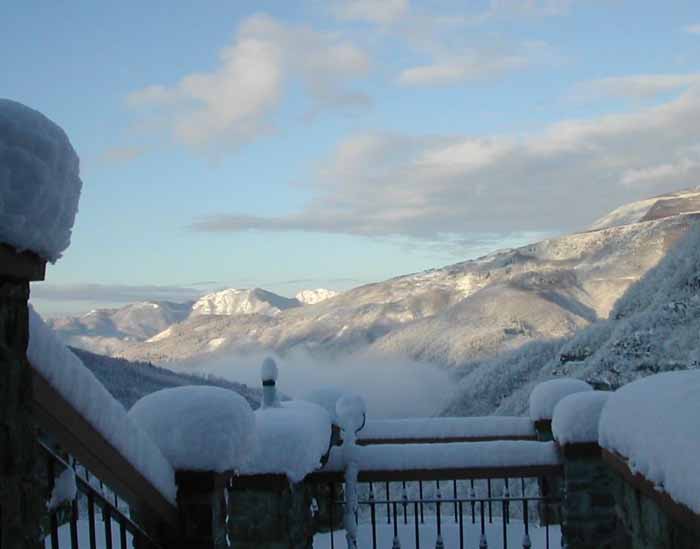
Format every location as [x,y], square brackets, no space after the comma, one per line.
[198,428]
[576,417]
[39,182]
[653,422]
[547,395]
[292,440]
[351,411]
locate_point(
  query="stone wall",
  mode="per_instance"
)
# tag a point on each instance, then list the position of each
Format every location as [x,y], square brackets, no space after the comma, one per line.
[272,515]
[589,519]
[650,525]
[21,492]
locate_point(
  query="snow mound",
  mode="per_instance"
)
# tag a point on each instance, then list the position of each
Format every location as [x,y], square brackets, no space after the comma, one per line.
[64,489]
[351,411]
[292,439]
[653,422]
[198,428]
[269,370]
[576,417]
[66,373]
[39,182]
[311,297]
[547,395]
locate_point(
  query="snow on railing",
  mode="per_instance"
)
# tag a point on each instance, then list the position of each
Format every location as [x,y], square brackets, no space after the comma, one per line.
[446,429]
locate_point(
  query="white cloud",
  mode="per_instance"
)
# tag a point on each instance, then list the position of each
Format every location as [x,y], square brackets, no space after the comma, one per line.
[684,168]
[234,103]
[470,66]
[371,11]
[692,29]
[559,178]
[639,86]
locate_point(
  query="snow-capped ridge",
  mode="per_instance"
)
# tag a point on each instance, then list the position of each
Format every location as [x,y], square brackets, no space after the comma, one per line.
[234,301]
[311,297]
[666,205]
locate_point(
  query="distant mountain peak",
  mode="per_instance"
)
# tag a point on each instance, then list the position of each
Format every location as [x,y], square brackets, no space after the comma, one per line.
[311,297]
[234,301]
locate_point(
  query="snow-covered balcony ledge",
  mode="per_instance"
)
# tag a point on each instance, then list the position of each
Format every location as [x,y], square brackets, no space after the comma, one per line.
[650,435]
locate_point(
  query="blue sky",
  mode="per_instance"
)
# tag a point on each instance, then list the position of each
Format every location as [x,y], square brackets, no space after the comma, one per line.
[331,143]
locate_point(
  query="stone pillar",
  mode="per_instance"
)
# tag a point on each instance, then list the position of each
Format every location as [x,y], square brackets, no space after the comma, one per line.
[201,503]
[267,512]
[549,486]
[21,493]
[589,518]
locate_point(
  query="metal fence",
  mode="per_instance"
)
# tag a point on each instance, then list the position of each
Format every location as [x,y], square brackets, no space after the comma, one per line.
[497,513]
[76,522]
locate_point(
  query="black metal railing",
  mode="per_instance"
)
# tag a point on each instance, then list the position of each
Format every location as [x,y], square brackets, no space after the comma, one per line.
[77,519]
[483,513]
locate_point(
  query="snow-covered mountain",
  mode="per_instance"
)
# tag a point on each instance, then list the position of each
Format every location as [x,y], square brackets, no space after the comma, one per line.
[449,316]
[653,328]
[242,302]
[135,321]
[311,297]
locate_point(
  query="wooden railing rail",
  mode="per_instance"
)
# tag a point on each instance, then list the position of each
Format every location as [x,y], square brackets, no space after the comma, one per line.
[76,436]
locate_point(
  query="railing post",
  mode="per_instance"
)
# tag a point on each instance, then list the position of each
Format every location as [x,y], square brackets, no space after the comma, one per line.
[588,511]
[201,502]
[549,486]
[21,492]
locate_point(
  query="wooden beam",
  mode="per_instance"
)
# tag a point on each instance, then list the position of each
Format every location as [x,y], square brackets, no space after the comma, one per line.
[21,265]
[678,512]
[433,440]
[75,435]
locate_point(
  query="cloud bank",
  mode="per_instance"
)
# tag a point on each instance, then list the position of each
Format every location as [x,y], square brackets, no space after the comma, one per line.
[560,178]
[392,387]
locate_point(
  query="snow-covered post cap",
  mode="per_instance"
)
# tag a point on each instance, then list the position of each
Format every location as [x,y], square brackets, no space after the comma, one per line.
[39,182]
[576,417]
[546,396]
[268,375]
[199,428]
[351,411]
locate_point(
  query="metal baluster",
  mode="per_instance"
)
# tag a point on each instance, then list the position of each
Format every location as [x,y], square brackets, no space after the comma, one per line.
[526,538]
[505,526]
[546,534]
[330,512]
[439,543]
[415,521]
[483,542]
[404,497]
[420,492]
[122,534]
[53,522]
[488,487]
[91,520]
[74,524]
[396,543]
[506,495]
[388,506]
[472,497]
[454,495]
[107,517]
[461,527]
[373,514]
